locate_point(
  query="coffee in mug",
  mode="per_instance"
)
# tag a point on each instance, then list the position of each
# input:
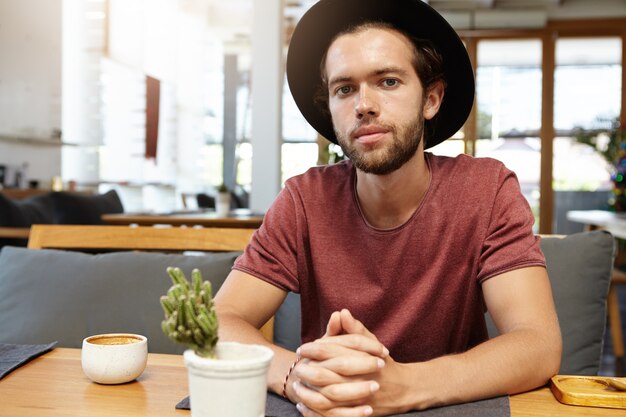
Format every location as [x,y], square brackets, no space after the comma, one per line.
[114,358]
[113,339]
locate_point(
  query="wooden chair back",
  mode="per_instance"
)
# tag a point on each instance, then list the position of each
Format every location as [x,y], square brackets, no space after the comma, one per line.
[143,238]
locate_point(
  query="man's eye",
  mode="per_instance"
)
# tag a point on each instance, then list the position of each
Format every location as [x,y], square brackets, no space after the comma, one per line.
[344,90]
[390,82]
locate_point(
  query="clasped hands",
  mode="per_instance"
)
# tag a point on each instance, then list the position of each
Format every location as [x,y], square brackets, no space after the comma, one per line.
[348,372]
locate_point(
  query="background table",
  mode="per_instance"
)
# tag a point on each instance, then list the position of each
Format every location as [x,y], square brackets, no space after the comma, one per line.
[600,219]
[205,219]
[54,385]
[14,232]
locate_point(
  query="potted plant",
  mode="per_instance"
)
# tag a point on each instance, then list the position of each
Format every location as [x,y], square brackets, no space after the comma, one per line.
[610,142]
[222,205]
[225,378]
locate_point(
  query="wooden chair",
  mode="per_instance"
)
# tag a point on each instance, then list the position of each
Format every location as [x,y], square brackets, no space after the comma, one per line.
[615,321]
[170,239]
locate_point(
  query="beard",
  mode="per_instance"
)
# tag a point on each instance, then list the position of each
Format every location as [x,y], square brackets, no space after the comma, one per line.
[405,140]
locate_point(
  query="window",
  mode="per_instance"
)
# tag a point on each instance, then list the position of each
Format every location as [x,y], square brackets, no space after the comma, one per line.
[508,92]
[299,150]
[587,84]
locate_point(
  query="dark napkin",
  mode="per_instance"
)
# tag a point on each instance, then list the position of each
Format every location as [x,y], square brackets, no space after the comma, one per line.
[14,356]
[277,406]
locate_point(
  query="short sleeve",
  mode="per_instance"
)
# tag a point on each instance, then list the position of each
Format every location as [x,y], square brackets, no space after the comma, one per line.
[510,242]
[272,252]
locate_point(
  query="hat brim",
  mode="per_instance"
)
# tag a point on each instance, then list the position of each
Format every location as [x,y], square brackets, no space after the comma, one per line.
[319,25]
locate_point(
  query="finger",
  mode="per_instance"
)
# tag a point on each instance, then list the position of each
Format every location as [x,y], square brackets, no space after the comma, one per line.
[350,341]
[306,411]
[333,346]
[351,325]
[343,395]
[350,366]
[337,370]
[312,373]
[360,411]
[312,399]
[350,392]
[334,325]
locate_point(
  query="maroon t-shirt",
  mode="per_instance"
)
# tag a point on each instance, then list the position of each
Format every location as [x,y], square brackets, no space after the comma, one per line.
[417,286]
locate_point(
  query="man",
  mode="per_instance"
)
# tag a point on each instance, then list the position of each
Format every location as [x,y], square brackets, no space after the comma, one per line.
[396,253]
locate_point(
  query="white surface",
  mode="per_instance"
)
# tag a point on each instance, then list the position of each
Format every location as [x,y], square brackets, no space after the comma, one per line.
[615,223]
[267,84]
[234,385]
[30,83]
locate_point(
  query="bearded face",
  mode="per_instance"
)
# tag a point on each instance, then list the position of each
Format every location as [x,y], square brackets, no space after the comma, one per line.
[376,100]
[390,155]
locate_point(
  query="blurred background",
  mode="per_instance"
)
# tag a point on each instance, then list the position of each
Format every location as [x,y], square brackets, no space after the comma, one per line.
[159,99]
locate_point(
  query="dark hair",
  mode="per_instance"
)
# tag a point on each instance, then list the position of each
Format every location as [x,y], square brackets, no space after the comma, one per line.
[427,62]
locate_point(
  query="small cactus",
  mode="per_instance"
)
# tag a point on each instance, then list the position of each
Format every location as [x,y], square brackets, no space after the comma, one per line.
[190,317]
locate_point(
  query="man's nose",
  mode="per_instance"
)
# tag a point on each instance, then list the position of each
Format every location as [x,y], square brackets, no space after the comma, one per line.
[366,105]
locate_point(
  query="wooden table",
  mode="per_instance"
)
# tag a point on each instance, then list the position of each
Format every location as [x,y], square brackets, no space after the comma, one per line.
[22,193]
[205,219]
[54,385]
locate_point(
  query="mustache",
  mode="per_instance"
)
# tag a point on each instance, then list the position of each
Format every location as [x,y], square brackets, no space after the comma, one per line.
[368,123]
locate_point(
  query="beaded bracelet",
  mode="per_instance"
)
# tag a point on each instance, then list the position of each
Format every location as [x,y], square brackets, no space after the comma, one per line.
[293,365]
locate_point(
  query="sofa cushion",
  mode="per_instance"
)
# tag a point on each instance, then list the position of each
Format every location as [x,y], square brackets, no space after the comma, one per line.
[287,323]
[24,213]
[579,267]
[48,295]
[73,208]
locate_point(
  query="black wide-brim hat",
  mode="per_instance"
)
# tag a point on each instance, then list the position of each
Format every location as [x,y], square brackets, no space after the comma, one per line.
[319,25]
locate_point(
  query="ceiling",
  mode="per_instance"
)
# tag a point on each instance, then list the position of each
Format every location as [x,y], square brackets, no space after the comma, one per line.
[233,18]
[478,14]
[464,14]
[492,4]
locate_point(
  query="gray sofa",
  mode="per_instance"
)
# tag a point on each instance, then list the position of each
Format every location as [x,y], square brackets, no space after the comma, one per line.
[53,295]
[56,208]
[48,295]
[579,267]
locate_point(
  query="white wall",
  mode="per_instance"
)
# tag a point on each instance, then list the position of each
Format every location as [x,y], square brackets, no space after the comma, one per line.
[170,41]
[30,83]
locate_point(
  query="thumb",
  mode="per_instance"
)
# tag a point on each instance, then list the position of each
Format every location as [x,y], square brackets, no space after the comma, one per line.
[353,326]
[333,328]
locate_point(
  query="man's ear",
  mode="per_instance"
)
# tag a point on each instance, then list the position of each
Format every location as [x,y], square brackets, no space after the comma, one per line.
[433,100]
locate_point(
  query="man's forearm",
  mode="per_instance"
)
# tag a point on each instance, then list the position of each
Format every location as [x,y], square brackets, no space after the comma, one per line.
[233,328]
[523,358]
[508,364]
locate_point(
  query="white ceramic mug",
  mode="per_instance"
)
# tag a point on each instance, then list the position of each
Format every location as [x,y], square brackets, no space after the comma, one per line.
[114,358]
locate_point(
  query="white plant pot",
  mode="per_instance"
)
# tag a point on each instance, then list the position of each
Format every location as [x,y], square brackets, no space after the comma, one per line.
[233,385]
[222,205]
